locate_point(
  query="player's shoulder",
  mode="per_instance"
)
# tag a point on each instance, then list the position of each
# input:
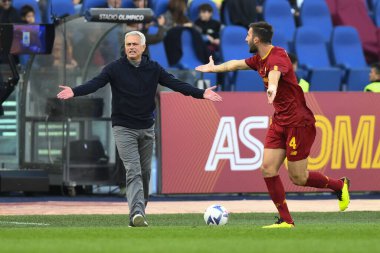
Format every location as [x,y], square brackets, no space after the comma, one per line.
[279,51]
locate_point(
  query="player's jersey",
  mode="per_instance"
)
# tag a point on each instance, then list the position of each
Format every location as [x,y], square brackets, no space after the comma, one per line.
[289,103]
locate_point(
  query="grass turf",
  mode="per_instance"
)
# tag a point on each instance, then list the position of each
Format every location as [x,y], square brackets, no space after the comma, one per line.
[314,232]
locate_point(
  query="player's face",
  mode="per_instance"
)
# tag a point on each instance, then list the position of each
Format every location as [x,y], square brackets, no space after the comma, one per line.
[133,47]
[252,41]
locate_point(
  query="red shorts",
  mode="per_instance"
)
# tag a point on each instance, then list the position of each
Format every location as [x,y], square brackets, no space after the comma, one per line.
[296,140]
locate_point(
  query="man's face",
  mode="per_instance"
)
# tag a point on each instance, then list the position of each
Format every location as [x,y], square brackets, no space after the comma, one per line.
[6,4]
[252,41]
[205,15]
[373,76]
[139,3]
[114,3]
[133,47]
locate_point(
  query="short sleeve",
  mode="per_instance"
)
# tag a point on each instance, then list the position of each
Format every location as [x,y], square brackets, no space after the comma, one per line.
[279,61]
[252,62]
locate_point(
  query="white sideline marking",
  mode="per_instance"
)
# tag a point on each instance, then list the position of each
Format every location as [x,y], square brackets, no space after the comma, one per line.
[24,223]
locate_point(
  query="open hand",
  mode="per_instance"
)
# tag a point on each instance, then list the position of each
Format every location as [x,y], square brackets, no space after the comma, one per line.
[209,67]
[211,95]
[66,93]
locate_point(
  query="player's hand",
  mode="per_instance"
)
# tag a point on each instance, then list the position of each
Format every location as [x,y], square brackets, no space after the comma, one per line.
[209,67]
[211,95]
[66,93]
[271,92]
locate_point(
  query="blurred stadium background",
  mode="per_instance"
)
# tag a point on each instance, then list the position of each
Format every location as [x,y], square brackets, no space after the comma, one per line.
[62,186]
[336,41]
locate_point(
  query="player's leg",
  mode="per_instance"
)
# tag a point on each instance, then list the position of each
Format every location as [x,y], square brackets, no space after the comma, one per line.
[273,158]
[299,142]
[274,155]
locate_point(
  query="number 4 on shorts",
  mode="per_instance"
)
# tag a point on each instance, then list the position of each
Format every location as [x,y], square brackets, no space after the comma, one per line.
[292,143]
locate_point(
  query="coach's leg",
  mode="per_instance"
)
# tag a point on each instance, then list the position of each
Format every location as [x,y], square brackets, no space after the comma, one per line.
[127,144]
[273,158]
[146,143]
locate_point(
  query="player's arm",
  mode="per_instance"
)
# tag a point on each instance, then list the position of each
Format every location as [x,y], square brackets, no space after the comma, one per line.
[232,65]
[273,78]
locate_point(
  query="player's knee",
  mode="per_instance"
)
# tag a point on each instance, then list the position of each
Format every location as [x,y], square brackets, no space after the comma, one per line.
[298,179]
[266,171]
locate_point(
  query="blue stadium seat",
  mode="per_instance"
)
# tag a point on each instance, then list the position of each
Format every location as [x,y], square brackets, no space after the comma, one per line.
[189,59]
[58,8]
[279,15]
[377,13]
[348,53]
[279,39]
[88,4]
[315,13]
[194,9]
[312,53]
[234,47]
[127,4]
[157,51]
[160,7]
[20,3]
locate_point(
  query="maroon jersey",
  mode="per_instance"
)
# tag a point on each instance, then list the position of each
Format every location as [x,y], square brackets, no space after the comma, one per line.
[289,103]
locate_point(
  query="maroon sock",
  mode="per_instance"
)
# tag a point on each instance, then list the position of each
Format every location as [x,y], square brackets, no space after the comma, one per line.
[318,180]
[277,194]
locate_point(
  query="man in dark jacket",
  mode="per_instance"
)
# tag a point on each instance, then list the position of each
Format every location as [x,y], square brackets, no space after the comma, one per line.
[8,14]
[134,79]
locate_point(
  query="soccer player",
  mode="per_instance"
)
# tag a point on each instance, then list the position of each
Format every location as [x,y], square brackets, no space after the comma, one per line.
[292,131]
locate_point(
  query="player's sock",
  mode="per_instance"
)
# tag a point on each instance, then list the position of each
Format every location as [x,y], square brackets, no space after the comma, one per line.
[318,180]
[277,193]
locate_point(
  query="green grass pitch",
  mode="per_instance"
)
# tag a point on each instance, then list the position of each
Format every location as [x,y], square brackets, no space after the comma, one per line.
[314,232]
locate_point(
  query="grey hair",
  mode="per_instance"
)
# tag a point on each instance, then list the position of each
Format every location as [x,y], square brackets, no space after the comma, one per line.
[142,36]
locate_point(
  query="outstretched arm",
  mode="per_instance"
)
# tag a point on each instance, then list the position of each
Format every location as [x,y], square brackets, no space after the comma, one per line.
[224,67]
[89,87]
[168,80]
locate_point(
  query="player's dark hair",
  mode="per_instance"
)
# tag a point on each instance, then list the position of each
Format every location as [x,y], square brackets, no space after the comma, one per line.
[376,66]
[26,9]
[205,7]
[293,58]
[263,30]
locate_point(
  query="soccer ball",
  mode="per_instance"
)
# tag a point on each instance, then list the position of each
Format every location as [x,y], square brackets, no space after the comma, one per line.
[216,215]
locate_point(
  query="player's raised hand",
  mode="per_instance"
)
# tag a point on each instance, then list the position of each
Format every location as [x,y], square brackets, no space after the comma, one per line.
[66,93]
[211,95]
[209,67]
[271,93]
